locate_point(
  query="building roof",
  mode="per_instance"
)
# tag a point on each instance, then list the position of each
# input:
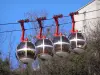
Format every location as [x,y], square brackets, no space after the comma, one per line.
[86,5]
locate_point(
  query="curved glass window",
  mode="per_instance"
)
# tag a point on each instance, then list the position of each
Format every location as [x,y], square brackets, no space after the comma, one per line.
[47,42]
[65,47]
[21,54]
[30,54]
[21,45]
[65,39]
[56,39]
[48,50]
[39,42]
[30,45]
[57,47]
[73,44]
[39,50]
[72,36]
[80,43]
[80,36]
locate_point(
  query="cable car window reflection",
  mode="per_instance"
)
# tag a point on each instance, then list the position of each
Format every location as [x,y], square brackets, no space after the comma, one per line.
[48,50]
[30,45]
[56,39]
[39,42]
[80,36]
[21,45]
[30,54]
[21,54]
[39,50]
[47,42]
[57,47]
[73,44]
[65,47]
[80,43]
[64,39]
[72,36]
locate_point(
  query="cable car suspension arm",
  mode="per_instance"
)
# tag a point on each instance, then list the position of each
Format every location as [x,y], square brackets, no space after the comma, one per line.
[40,25]
[57,23]
[23,29]
[73,21]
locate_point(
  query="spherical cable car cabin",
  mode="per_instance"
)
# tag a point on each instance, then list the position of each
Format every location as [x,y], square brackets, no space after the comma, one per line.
[25,52]
[44,46]
[61,42]
[61,46]
[77,40]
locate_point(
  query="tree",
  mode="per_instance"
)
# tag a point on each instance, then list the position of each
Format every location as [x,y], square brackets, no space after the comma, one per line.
[87,63]
[4,67]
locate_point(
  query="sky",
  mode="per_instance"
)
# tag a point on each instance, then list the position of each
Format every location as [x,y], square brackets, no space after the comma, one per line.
[13,10]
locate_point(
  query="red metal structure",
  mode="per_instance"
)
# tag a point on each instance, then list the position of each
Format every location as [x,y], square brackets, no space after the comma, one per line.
[40,36]
[73,22]
[57,24]
[23,29]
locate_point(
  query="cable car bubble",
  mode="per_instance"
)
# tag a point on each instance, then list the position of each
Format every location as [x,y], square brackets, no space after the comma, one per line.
[77,42]
[25,51]
[44,46]
[61,43]
[61,46]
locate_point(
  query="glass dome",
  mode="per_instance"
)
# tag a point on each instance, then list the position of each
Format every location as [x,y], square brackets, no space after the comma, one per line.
[25,52]
[77,42]
[44,49]
[61,46]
